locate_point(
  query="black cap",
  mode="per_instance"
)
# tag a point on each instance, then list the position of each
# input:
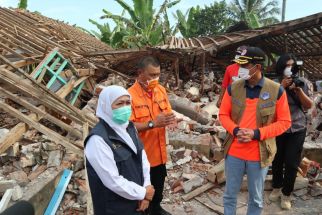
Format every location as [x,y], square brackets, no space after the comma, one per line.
[251,55]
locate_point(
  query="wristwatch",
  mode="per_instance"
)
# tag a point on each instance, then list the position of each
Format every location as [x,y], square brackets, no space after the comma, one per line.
[150,124]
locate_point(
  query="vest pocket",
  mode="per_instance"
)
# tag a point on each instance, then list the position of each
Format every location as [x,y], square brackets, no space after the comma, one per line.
[267,115]
[141,112]
[163,105]
[270,146]
[267,111]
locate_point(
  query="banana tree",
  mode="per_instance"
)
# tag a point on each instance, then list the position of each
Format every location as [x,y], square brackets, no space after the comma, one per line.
[144,27]
[186,23]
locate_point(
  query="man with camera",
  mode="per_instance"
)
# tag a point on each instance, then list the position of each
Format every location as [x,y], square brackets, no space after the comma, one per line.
[290,144]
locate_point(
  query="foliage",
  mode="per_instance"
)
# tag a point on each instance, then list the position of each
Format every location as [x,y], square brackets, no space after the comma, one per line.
[186,23]
[23,4]
[256,13]
[211,20]
[143,27]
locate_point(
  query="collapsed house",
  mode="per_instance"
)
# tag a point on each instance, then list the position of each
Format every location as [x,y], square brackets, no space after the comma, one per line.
[51,74]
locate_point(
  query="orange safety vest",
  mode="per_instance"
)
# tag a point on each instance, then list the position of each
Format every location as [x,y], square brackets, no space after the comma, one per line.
[144,109]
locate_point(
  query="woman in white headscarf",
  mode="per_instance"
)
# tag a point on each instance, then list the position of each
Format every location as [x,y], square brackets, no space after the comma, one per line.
[117,165]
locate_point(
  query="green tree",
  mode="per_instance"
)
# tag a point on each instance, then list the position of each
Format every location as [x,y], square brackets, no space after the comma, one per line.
[209,21]
[104,34]
[144,27]
[214,19]
[23,4]
[256,13]
[186,24]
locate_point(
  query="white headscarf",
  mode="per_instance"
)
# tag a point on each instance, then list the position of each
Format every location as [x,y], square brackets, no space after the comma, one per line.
[104,111]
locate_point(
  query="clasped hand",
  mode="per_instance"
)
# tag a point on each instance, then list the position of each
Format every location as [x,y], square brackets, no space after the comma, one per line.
[245,135]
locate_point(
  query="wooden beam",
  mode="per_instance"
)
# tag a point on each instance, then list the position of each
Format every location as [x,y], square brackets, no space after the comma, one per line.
[15,134]
[49,133]
[41,113]
[67,88]
[214,207]
[114,71]
[46,92]
[198,191]
[26,87]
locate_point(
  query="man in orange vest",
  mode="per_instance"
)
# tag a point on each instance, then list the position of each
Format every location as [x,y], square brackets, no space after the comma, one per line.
[151,114]
[254,110]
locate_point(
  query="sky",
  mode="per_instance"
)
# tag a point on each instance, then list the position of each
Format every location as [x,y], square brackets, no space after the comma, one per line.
[79,11]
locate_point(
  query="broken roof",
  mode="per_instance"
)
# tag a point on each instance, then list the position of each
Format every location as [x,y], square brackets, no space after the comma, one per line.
[302,37]
[30,35]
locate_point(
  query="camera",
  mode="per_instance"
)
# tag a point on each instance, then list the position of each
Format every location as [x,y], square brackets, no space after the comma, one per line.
[297,81]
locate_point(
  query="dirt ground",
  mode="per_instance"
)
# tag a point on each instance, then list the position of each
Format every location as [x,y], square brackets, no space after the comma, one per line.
[310,206]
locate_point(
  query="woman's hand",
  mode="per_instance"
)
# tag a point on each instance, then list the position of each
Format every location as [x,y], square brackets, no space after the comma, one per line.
[306,101]
[143,205]
[286,82]
[149,192]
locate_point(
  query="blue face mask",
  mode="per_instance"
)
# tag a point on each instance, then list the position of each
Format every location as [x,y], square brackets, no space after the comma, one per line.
[122,115]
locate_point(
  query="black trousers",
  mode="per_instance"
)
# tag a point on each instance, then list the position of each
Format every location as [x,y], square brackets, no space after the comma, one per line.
[287,160]
[157,174]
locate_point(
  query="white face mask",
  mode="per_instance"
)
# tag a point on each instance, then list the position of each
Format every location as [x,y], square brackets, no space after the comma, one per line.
[243,73]
[288,72]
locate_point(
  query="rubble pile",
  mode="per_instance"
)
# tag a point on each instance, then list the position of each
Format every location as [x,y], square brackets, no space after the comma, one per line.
[195,160]
[30,159]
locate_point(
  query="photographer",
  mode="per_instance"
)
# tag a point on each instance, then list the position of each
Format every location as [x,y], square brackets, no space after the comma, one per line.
[290,144]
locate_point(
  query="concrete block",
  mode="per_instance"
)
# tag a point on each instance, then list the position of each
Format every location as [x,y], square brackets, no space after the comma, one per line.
[192,183]
[54,158]
[27,160]
[218,155]
[267,185]
[204,159]
[200,143]
[30,148]
[221,177]
[188,176]
[204,100]
[217,173]
[17,193]
[211,109]
[169,165]
[19,176]
[316,189]
[313,151]
[49,146]
[221,132]
[184,160]
[301,183]
[7,184]
[301,192]
[187,152]
[3,132]
[194,91]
